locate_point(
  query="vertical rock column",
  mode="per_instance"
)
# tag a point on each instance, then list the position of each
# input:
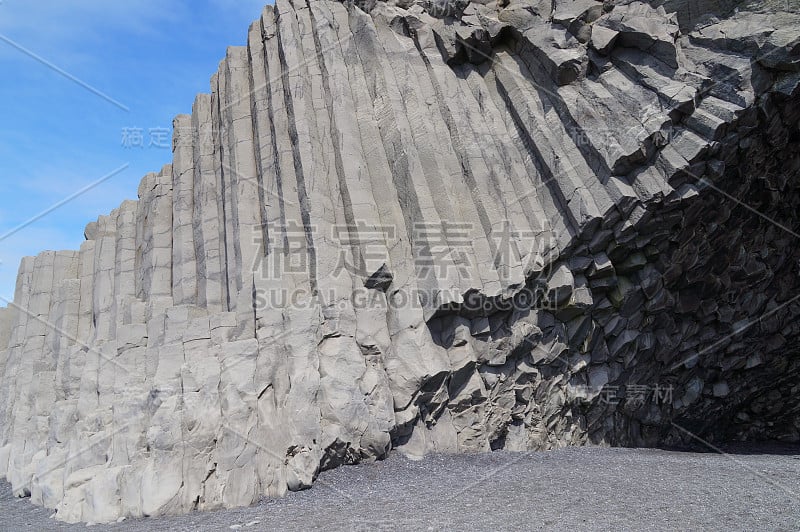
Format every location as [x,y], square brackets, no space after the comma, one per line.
[463,175]
[184,260]
[123,371]
[411,358]
[280,210]
[35,394]
[72,351]
[6,315]
[64,317]
[85,272]
[354,387]
[6,318]
[61,334]
[243,182]
[105,254]
[11,389]
[25,434]
[73,372]
[105,308]
[128,309]
[222,169]
[154,241]
[271,370]
[417,168]
[386,232]
[317,194]
[207,215]
[71,347]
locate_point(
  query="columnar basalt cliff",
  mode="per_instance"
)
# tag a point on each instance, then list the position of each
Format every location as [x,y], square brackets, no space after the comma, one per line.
[426,226]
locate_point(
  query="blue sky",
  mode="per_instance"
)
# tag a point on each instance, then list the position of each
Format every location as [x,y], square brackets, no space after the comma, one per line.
[57,137]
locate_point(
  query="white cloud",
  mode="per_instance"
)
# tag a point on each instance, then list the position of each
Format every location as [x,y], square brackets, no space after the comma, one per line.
[66,32]
[59,19]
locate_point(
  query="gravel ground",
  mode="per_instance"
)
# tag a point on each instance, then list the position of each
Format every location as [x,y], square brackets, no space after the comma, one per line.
[756,488]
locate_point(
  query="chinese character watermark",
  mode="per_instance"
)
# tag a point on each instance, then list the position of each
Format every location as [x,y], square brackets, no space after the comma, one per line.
[634,395]
[154,137]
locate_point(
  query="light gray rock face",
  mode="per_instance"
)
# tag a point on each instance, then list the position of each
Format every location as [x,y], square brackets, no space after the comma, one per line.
[427,227]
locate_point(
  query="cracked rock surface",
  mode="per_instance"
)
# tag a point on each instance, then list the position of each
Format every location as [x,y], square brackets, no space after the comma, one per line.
[441,226]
